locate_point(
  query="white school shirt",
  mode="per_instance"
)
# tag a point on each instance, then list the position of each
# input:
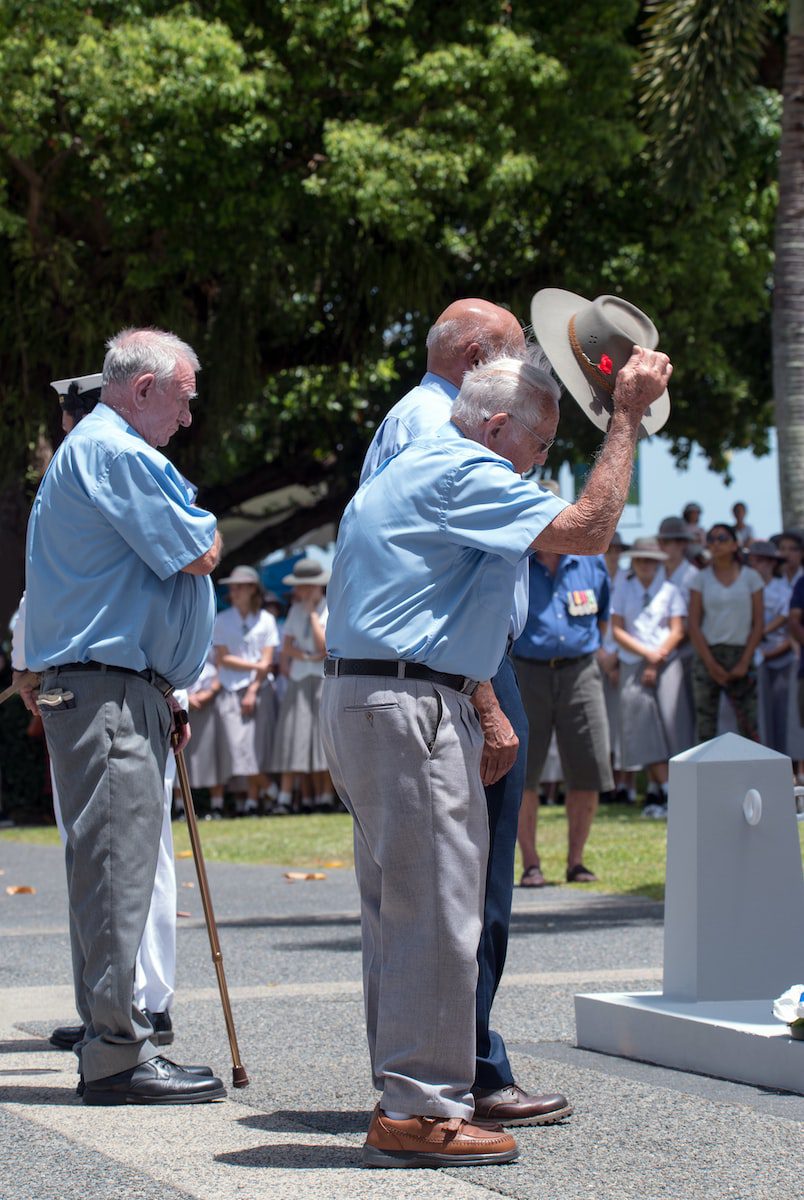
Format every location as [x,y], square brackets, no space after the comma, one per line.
[775,603]
[646,612]
[298,627]
[244,637]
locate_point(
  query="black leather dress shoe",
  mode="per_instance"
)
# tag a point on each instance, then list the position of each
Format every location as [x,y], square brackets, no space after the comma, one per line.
[157,1081]
[201,1072]
[64,1037]
[163,1027]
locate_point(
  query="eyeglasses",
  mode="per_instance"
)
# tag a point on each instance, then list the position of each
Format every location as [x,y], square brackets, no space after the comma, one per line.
[545,445]
[718,537]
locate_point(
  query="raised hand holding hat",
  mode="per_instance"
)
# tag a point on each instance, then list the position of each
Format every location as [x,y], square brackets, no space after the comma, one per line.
[589,342]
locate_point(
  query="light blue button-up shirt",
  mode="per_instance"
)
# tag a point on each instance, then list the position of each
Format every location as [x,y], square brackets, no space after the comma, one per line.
[421,413]
[427,556]
[112,526]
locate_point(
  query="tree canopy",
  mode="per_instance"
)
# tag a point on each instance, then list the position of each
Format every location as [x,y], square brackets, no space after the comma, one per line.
[299,188]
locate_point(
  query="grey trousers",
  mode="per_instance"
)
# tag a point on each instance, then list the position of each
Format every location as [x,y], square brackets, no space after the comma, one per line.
[405,759]
[108,755]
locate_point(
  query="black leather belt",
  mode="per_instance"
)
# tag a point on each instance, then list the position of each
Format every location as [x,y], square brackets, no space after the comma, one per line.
[562,662]
[397,669]
[158,681]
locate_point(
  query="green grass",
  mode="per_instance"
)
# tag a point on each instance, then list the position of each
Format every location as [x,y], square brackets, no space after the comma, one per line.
[625,851]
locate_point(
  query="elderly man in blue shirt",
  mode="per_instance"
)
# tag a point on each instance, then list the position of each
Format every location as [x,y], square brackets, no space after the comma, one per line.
[562,687]
[420,606]
[466,334]
[119,613]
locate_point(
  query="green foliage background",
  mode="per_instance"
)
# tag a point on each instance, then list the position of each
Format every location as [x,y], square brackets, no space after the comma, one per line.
[299,187]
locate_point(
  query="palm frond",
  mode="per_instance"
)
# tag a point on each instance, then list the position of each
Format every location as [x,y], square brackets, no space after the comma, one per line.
[697,67]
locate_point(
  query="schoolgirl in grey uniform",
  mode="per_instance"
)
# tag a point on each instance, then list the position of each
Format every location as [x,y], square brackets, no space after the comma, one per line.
[647,615]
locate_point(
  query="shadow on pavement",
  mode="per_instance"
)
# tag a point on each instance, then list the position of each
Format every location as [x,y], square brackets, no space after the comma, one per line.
[598,914]
[35,1045]
[320,920]
[33,1071]
[39,1095]
[326,1121]
[292,1156]
[582,919]
[348,945]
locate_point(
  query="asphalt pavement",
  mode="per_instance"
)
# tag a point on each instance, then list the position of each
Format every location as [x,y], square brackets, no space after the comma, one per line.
[292,958]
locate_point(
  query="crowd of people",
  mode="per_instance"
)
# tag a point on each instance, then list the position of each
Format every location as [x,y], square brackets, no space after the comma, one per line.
[471,614]
[694,636]
[255,706]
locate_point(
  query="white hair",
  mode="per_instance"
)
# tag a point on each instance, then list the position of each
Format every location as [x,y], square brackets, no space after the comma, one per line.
[506,384]
[134,352]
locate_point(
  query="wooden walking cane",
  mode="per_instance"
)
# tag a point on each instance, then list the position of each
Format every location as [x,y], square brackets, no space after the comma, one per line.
[239,1077]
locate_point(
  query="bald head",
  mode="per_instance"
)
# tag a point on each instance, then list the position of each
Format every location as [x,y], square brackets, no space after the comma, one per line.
[469,332]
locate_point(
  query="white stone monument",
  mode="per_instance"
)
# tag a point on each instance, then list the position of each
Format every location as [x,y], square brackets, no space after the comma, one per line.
[734,926]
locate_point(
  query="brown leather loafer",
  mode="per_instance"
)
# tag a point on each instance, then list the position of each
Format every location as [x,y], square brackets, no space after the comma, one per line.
[435,1142]
[512,1105]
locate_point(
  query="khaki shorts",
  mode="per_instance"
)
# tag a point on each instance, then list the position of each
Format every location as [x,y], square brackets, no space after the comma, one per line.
[568,698]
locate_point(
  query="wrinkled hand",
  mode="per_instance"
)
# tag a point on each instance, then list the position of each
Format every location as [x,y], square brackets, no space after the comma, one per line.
[180,734]
[500,743]
[641,381]
[29,692]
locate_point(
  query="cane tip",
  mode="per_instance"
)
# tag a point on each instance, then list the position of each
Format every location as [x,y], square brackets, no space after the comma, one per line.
[239,1077]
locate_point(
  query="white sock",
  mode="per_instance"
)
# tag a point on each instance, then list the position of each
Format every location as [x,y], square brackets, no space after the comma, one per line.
[396,1116]
[216,802]
[284,799]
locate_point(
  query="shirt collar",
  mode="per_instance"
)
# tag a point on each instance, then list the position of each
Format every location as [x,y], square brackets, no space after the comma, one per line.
[439,384]
[113,418]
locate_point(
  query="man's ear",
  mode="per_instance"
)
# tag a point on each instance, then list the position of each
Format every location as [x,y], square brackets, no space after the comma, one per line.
[473,355]
[493,426]
[142,388]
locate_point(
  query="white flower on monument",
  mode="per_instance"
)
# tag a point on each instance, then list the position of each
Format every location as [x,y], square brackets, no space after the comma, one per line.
[790,1008]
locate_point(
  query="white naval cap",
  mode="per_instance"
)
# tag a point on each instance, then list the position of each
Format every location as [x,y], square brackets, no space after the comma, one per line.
[76,384]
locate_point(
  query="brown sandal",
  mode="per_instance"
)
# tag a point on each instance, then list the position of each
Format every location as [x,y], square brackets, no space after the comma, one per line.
[533,878]
[580,874]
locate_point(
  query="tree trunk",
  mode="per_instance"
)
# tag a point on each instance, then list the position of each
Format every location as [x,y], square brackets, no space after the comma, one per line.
[788,295]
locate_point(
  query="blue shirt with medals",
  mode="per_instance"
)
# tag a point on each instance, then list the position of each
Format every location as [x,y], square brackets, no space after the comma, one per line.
[427,556]
[111,528]
[564,609]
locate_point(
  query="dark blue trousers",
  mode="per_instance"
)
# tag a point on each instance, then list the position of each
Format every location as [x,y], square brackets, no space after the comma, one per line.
[503,799]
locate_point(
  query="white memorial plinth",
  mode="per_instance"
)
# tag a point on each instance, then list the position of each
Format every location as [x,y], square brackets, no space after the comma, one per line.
[734,926]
